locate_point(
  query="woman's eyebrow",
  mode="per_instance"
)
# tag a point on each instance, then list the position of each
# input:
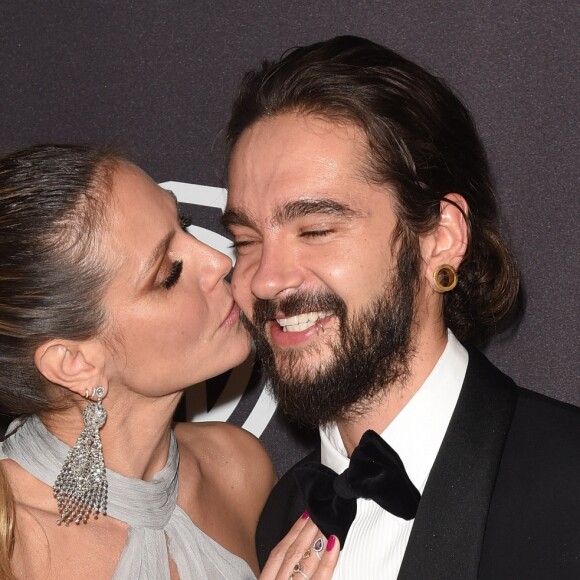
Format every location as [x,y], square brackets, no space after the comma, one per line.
[160,250]
[172,194]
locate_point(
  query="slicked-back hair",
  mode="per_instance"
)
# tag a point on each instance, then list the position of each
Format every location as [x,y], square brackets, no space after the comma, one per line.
[422,143]
[52,278]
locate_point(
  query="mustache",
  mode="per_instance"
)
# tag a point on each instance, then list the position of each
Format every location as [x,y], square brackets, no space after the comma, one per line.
[297,303]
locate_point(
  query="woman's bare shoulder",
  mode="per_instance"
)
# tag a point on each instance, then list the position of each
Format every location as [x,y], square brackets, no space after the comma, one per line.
[44,550]
[229,457]
[31,555]
[225,478]
[220,446]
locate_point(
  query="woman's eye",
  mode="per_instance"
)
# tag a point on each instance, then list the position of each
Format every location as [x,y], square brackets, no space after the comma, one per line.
[173,277]
[184,220]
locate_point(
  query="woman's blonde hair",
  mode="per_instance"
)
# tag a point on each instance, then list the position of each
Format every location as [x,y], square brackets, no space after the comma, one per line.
[6,527]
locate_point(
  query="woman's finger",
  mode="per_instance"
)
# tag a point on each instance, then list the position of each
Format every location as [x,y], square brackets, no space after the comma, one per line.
[317,562]
[328,561]
[297,554]
[280,553]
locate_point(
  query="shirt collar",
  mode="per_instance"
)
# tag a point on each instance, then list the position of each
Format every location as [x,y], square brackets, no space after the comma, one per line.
[417,431]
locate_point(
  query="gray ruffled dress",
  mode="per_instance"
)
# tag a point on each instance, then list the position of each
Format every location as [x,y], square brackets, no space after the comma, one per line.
[156,523]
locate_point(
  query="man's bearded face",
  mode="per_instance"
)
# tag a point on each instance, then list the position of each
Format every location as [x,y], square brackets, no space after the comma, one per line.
[324,272]
[370,350]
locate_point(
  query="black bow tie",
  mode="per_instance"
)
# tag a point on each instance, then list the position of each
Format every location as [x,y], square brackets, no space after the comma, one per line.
[376,472]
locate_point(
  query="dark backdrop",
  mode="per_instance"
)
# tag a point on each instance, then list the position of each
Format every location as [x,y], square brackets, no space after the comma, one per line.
[157,78]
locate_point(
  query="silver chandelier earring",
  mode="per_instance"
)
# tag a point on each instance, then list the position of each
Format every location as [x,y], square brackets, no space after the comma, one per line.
[81,486]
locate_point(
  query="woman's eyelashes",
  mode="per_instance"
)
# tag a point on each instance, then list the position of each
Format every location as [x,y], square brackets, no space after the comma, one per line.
[173,276]
[177,266]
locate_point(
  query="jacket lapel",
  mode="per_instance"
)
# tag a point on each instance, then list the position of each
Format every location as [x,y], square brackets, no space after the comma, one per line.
[447,534]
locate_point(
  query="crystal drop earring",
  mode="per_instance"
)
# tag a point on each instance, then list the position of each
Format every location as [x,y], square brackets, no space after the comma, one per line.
[81,486]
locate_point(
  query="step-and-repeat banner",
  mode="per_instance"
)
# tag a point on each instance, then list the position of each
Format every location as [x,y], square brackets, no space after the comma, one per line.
[157,78]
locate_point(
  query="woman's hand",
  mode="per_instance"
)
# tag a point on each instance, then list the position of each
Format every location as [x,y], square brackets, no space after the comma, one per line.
[304,553]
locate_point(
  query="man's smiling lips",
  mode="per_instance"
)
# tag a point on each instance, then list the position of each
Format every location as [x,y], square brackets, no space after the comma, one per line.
[301,322]
[295,330]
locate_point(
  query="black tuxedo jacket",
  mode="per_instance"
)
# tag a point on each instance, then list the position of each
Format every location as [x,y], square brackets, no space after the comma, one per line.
[502,500]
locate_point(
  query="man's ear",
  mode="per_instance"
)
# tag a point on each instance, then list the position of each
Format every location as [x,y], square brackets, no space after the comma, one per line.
[77,366]
[447,242]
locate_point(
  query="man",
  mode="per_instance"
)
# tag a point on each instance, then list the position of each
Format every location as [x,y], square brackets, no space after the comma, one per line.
[368,258]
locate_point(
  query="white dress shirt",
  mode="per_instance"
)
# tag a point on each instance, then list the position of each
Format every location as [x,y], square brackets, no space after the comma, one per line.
[377,540]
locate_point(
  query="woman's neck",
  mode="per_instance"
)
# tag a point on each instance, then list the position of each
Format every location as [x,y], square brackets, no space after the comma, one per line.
[135,437]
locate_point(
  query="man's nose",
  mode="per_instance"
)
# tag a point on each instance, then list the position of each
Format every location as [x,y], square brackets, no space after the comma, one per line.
[279,270]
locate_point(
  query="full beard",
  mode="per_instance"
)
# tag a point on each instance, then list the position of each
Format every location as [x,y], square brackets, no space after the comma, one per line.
[371,351]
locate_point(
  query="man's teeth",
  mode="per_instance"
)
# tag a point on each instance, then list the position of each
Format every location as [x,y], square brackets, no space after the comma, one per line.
[301,321]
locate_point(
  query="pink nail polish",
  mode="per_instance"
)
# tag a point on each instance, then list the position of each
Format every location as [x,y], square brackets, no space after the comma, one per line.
[305,515]
[330,543]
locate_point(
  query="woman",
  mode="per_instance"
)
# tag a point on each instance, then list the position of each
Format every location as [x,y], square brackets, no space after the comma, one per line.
[109,307]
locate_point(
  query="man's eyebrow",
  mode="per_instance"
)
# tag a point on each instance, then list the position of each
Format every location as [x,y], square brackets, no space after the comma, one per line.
[317,205]
[290,211]
[236,217]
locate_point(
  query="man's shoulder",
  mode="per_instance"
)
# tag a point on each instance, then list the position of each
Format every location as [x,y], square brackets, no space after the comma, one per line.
[283,508]
[547,428]
[537,403]
[533,512]
[312,456]
[539,427]
[532,410]
[285,491]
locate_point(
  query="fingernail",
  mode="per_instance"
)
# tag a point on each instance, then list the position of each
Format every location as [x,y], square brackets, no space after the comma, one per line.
[330,543]
[305,515]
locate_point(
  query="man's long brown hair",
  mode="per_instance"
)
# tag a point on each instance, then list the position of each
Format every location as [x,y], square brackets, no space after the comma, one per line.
[422,142]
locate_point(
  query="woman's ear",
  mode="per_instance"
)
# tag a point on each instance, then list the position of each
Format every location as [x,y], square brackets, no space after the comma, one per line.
[77,366]
[447,242]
